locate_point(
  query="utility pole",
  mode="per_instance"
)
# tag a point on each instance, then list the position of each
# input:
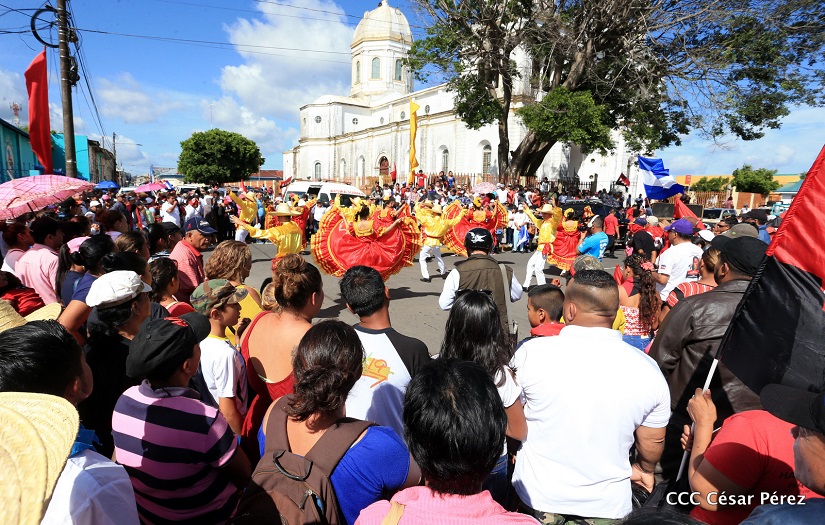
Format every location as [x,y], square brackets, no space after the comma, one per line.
[114,154]
[66,88]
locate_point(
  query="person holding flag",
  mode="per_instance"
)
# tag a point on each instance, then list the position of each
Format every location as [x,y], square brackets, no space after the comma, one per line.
[247,211]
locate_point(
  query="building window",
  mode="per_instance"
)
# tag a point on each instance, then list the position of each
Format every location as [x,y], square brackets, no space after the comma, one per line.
[355,121]
[358,72]
[318,119]
[403,115]
[486,159]
[427,109]
[445,160]
[343,174]
[376,68]
[317,171]
[361,166]
[382,120]
[398,70]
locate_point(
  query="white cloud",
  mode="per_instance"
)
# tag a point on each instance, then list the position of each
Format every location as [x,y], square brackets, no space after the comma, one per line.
[278,82]
[270,137]
[123,98]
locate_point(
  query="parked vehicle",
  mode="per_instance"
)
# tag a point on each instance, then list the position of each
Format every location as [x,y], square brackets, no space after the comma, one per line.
[711,216]
[325,192]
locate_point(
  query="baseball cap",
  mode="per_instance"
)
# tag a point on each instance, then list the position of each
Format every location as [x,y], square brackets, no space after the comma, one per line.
[743,253]
[162,341]
[759,215]
[170,227]
[114,288]
[706,235]
[682,226]
[193,202]
[197,223]
[641,221]
[94,203]
[216,293]
[799,407]
[75,243]
[742,229]
[478,239]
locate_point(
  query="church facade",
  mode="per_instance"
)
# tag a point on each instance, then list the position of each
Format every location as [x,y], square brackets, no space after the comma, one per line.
[366,136]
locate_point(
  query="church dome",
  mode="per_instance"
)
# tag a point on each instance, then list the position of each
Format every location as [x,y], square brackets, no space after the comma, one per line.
[383,23]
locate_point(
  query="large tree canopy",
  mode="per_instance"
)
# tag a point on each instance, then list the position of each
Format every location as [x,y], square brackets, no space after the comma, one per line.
[218,156]
[752,180]
[653,69]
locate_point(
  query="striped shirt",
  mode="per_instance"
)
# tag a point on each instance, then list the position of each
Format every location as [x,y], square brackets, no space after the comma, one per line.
[687,289]
[172,447]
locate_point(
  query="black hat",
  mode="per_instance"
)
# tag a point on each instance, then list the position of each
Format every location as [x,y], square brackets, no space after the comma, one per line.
[761,216]
[478,239]
[800,407]
[170,227]
[160,341]
[743,253]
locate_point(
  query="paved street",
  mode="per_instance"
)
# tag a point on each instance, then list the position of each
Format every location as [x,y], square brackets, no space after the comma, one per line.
[414,304]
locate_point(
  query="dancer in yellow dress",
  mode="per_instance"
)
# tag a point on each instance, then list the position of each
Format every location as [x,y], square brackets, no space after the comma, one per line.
[433,229]
[547,225]
[247,211]
[287,236]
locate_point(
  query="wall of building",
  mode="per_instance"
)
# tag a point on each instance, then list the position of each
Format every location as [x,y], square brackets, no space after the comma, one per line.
[17,159]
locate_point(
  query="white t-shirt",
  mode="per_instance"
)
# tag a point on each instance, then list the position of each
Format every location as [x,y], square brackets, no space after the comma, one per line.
[11,258]
[170,213]
[502,195]
[92,489]
[509,392]
[585,393]
[681,263]
[224,371]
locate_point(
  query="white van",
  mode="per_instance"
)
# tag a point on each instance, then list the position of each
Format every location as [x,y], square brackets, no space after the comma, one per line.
[325,192]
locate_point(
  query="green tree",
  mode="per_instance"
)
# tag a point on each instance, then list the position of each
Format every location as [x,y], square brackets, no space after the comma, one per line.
[711,184]
[752,180]
[218,156]
[657,69]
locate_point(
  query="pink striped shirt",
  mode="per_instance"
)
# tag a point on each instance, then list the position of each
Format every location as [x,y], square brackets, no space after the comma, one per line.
[422,505]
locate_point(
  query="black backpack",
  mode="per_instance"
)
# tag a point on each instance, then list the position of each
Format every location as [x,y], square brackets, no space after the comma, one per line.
[288,489]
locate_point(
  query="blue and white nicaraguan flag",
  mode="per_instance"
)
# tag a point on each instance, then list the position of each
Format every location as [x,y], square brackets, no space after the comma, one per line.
[658,183]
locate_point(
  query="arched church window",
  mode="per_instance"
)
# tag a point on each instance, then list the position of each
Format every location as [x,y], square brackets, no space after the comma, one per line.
[403,116]
[318,119]
[358,72]
[376,68]
[486,159]
[317,171]
[398,70]
[445,160]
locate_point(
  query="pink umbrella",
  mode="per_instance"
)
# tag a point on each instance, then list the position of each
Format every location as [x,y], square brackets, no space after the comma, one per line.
[484,188]
[150,186]
[19,196]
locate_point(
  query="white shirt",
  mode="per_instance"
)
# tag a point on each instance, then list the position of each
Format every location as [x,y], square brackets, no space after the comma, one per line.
[502,195]
[92,489]
[224,371]
[509,392]
[447,297]
[585,393]
[170,213]
[11,258]
[681,263]
[191,211]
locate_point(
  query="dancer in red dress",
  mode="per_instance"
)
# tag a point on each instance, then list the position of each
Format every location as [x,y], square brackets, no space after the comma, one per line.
[342,243]
[491,217]
[562,252]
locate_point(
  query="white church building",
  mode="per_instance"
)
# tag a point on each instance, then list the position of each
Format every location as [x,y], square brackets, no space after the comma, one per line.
[364,136]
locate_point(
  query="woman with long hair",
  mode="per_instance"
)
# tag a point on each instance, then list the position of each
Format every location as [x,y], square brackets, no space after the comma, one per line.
[232,260]
[113,223]
[328,361]
[268,343]
[89,256]
[641,305]
[474,333]
[165,284]
[133,241]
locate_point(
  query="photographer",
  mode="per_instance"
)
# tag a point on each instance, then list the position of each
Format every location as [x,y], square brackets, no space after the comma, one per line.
[593,240]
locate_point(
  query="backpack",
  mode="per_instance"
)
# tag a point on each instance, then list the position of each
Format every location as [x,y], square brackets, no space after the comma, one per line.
[290,489]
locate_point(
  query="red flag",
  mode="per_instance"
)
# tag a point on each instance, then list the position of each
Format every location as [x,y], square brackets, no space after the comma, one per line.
[680,210]
[776,335]
[623,180]
[37,85]
[394,172]
[243,187]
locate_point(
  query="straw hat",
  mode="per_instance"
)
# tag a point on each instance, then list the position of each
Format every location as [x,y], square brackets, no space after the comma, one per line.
[547,208]
[284,210]
[37,432]
[437,209]
[9,318]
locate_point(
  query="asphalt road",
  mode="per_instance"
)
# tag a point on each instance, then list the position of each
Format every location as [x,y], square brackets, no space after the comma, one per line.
[414,306]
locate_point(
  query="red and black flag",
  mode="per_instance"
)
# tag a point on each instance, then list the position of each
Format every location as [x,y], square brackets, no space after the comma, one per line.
[778,332]
[623,181]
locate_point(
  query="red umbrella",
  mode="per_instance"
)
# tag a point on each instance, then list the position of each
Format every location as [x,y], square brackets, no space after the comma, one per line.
[150,186]
[19,196]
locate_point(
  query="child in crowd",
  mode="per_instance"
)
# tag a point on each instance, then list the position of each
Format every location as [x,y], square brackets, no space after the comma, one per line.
[545,304]
[223,367]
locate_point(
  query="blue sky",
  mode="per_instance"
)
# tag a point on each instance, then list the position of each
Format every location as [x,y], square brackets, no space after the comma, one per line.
[257,62]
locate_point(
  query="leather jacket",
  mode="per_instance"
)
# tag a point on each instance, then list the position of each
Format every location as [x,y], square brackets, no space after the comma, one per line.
[685,347]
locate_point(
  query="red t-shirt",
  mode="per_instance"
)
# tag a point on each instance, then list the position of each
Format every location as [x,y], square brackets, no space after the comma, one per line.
[754,450]
[610,224]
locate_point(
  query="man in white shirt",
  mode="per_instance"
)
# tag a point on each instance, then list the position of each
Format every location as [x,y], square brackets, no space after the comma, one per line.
[589,399]
[501,193]
[169,211]
[680,262]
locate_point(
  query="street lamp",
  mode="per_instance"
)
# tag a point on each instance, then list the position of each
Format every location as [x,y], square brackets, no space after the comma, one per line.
[114,154]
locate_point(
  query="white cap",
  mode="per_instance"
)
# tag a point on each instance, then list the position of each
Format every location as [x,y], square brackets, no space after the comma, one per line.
[94,203]
[706,235]
[115,288]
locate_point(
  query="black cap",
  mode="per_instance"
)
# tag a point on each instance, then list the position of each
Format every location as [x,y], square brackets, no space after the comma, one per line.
[160,341]
[760,215]
[800,407]
[170,227]
[743,253]
[478,239]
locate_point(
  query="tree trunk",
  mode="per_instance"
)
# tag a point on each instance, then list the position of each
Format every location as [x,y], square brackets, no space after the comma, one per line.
[504,128]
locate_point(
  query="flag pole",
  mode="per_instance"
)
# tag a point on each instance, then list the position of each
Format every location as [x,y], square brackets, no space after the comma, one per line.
[686,455]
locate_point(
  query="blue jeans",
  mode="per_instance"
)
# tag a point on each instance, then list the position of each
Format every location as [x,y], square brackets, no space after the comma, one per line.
[497,482]
[638,341]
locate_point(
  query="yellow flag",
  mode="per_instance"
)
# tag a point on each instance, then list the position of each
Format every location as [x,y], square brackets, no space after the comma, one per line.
[413,128]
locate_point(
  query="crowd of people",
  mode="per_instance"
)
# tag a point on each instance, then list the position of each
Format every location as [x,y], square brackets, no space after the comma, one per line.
[180,394]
